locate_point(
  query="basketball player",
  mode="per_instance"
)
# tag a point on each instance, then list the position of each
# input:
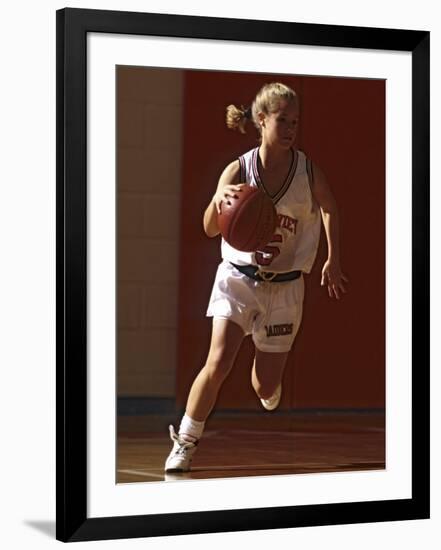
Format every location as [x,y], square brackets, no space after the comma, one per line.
[261,293]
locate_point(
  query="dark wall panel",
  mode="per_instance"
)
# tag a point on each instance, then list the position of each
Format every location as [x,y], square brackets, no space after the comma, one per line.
[338,359]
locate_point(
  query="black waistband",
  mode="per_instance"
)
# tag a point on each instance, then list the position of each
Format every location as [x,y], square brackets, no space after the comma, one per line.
[253,272]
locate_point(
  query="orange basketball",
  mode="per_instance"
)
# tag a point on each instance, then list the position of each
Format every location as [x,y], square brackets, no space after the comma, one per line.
[248,222]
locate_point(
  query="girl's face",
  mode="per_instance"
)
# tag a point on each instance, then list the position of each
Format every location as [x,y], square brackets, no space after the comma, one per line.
[279,128]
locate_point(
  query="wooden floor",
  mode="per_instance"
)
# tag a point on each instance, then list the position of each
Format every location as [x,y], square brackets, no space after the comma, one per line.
[256,445]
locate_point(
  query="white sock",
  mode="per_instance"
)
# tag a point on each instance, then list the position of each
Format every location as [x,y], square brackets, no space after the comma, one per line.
[190,429]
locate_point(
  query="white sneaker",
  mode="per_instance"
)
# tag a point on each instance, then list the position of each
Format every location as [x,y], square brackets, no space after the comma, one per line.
[181,455]
[273,402]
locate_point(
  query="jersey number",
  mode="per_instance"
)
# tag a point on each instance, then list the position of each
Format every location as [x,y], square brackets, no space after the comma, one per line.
[269,252]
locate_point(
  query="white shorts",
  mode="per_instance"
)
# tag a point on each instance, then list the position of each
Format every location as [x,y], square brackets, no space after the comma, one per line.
[271,312]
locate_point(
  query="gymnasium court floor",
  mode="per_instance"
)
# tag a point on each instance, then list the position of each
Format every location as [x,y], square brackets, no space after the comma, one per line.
[256,444]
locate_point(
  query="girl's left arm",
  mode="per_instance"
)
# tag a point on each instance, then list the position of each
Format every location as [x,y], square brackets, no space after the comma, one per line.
[332,275]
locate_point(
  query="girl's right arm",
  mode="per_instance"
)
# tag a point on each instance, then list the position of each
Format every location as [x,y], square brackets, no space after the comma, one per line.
[227,187]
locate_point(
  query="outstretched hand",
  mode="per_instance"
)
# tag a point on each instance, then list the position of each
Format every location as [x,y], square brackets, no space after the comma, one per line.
[334,279]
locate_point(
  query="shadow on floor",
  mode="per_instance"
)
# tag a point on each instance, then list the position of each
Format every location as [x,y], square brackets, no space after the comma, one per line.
[45,527]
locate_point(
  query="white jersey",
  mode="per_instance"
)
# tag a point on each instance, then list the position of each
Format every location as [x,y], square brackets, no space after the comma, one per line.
[294,244]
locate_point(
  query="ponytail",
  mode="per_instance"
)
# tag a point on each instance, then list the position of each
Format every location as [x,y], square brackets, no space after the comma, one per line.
[236,117]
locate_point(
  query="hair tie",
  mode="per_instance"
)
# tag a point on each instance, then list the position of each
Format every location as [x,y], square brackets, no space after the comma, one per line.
[248,113]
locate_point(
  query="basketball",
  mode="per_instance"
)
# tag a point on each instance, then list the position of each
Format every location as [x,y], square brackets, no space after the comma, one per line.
[248,222]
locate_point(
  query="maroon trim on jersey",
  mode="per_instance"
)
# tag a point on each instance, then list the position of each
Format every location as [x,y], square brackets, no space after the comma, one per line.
[291,172]
[254,157]
[310,173]
[289,178]
[242,170]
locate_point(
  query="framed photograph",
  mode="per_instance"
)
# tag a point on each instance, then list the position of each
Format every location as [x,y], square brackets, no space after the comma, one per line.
[142,141]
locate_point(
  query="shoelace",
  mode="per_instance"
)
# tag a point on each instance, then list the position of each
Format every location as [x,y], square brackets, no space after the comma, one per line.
[183,445]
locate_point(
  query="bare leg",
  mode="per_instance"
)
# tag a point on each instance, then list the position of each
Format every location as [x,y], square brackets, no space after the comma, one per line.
[226,339]
[267,372]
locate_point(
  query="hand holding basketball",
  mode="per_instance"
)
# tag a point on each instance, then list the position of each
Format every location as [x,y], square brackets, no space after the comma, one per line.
[247,218]
[226,193]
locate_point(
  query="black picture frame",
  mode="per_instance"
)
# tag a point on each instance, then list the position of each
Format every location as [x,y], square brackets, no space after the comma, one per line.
[73,25]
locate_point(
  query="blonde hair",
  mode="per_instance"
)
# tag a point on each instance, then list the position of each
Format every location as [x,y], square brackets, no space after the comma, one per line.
[266,101]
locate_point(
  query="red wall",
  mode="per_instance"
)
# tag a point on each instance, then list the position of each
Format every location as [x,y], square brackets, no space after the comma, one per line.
[338,359]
